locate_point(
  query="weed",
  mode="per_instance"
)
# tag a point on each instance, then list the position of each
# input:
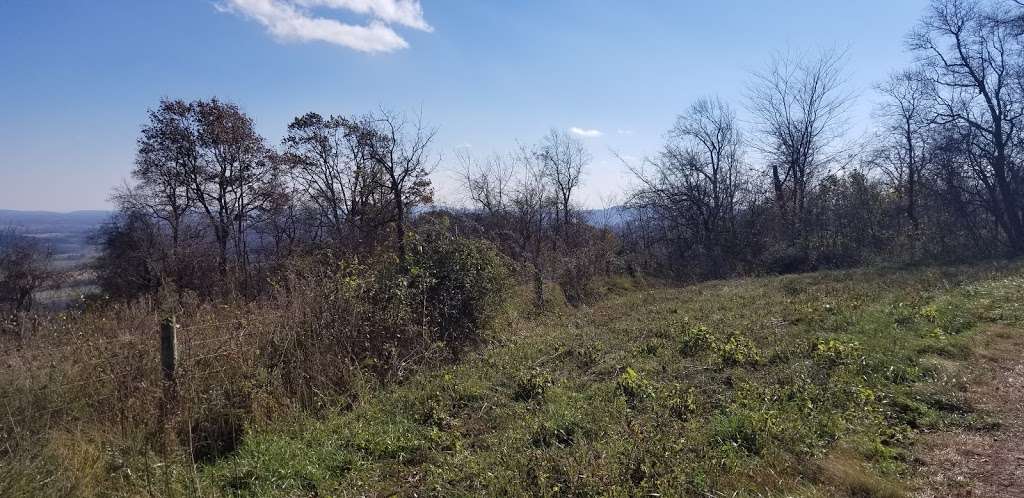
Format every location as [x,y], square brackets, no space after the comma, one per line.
[634,387]
[531,385]
[831,353]
[696,340]
[682,402]
[738,350]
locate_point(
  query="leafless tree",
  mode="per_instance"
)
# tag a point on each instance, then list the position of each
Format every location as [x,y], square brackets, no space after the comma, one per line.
[532,212]
[799,105]
[564,158]
[331,162]
[694,182]
[400,147]
[906,117]
[974,64]
[488,182]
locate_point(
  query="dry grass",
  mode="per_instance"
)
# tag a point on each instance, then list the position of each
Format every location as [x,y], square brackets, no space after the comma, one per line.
[847,475]
[984,458]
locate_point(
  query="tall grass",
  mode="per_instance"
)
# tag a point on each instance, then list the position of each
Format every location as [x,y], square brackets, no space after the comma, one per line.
[86,409]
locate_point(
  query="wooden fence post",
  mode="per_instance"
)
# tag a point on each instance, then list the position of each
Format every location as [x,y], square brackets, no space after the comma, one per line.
[169,394]
[168,348]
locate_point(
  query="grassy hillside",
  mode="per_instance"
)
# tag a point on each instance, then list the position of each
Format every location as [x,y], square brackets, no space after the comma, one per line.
[808,385]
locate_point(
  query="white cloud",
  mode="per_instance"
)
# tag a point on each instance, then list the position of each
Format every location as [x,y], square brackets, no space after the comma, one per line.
[405,12]
[290,20]
[624,132]
[585,133]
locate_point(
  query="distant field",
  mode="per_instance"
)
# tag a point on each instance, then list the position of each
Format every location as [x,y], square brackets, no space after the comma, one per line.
[69,236]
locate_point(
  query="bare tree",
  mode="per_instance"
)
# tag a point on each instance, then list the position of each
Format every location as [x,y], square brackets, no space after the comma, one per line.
[799,105]
[330,160]
[695,180]
[25,269]
[400,147]
[973,62]
[564,158]
[907,119]
[488,183]
[532,205]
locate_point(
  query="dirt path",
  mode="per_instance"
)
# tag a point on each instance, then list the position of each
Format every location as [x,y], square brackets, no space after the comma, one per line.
[987,464]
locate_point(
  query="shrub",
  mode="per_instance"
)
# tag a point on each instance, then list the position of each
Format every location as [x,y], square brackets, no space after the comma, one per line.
[832,353]
[589,255]
[697,340]
[682,402]
[634,387]
[739,350]
[531,385]
[462,284]
[377,312]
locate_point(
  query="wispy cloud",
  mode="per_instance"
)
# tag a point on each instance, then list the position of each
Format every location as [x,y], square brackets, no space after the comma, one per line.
[585,132]
[624,132]
[292,20]
[405,12]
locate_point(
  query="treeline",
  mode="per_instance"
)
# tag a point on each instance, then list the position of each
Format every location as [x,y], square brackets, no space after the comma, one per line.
[941,180]
[214,206]
[217,209]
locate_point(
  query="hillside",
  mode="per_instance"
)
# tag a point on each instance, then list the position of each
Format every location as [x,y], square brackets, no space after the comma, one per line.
[814,385]
[809,385]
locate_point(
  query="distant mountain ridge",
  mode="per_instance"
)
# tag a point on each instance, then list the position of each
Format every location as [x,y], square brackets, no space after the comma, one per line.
[30,220]
[610,217]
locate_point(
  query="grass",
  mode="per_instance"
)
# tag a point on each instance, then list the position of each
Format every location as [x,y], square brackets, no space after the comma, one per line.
[806,385]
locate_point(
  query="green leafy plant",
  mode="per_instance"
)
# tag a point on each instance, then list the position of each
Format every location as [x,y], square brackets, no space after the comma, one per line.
[531,385]
[695,340]
[634,387]
[739,351]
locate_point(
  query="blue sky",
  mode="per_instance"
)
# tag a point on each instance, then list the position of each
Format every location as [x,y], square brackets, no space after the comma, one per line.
[76,77]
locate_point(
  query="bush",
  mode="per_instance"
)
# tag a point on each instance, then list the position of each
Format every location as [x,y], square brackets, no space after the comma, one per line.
[634,387]
[462,284]
[832,353]
[697,340]
[739,351]
[378,312]
[531,385]
[682,402]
